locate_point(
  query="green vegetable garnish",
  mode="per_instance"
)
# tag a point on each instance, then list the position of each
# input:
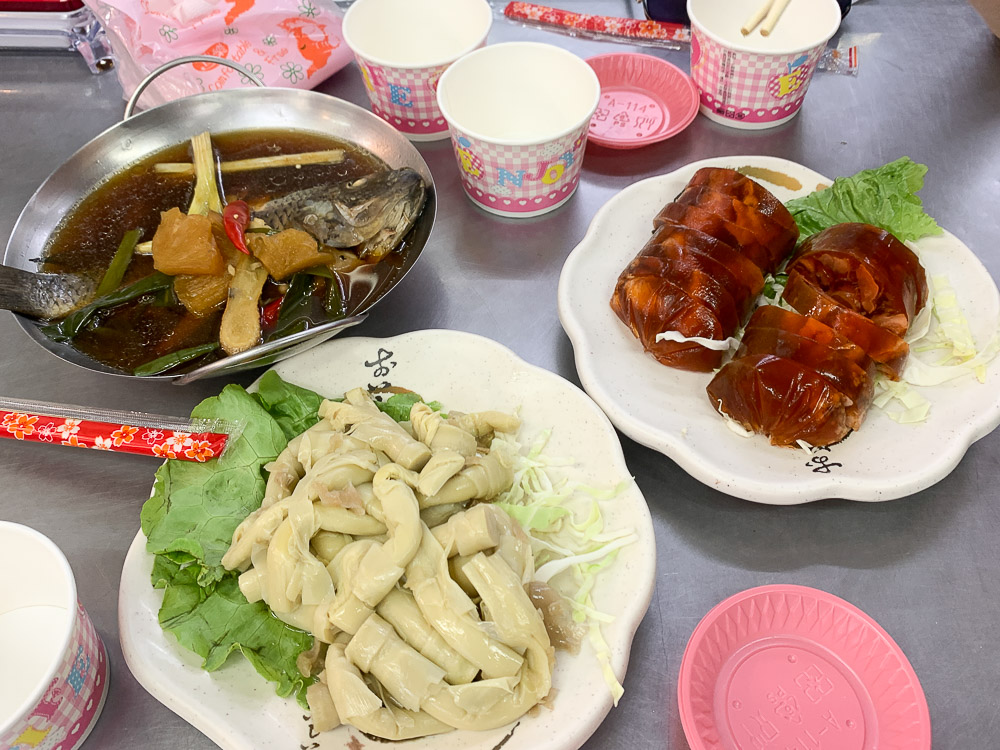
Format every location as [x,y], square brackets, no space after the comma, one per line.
[215,621]
[884,196]
[295,409]
[295,306]
[334,302]
[189,523]
[172,360]
[67,328]
[119,264]
[398,405]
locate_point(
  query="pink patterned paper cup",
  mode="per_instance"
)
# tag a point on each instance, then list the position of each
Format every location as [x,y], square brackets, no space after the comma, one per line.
[518,115]
[756,81]
[55,669]
[404,46]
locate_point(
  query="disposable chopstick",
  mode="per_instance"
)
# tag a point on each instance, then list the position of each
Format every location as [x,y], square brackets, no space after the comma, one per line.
[754,20]
[772,16]
[116,431]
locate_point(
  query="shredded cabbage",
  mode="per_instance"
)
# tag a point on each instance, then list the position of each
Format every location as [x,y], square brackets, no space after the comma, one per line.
[716,345]
[900,402]
[940,331]
[565,523]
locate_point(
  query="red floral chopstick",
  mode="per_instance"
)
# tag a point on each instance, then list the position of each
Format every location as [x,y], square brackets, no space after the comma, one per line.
[599,26]
[112,436]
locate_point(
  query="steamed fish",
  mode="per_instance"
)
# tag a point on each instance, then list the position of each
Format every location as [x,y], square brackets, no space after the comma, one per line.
[374,211]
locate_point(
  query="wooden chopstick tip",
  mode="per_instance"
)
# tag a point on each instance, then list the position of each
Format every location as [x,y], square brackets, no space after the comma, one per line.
[755,18]
[773,16]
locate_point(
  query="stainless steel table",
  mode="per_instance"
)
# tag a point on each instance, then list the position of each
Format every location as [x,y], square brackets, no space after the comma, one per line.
[926,567]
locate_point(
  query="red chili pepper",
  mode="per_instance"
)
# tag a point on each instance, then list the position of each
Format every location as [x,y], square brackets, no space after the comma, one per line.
[236,219]
[269,312]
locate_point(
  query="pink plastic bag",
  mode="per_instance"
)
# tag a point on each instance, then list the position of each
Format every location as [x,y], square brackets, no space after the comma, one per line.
[292,43]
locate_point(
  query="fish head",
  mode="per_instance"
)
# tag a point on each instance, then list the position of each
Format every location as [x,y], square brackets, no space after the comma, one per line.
[382,207]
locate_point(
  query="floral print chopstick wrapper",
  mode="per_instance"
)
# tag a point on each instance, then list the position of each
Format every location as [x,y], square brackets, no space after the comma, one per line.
[119,431]
[645,32]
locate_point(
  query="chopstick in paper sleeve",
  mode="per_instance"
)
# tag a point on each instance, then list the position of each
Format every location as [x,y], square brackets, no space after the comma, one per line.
[636,30]
[117,431]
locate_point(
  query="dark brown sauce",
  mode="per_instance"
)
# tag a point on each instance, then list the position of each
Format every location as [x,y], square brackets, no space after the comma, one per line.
[140,331]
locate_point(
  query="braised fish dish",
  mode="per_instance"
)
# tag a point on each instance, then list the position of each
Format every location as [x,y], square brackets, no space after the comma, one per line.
[209,248]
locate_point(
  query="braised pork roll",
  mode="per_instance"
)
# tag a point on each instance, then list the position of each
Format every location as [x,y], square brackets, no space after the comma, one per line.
[701,272]
[865,283]
[685,281]
[781,398]
[735,209]
[809,375]
[867,270]
[794,378]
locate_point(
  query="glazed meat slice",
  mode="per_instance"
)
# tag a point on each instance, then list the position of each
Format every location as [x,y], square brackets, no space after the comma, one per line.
[695,217]
[778,240]
[772,316]
[741,278]
[748,191]
[649,304]
[856,383]
[887,349]
[782,399]
[868,270]
[686,273]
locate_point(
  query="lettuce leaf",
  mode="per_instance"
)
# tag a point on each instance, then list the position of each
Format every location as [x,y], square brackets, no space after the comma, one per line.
[398,405]
[189,522]
[215,621]
[195,507]
[294,408]
[884,196]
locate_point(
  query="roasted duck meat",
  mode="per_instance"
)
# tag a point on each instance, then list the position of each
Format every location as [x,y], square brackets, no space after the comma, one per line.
[867,270]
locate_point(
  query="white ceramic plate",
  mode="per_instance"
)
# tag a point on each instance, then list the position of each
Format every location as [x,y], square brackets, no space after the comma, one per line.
[668,410]
[239,710]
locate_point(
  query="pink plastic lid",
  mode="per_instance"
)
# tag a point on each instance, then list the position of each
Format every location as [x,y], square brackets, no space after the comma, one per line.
[643,100]
[794,667]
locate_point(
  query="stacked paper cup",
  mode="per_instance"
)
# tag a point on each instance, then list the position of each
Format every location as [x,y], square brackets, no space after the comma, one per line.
[517,113]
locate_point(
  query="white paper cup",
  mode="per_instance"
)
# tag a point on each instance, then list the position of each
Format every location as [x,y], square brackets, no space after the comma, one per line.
[518,115]
[756,81]
[403,47]
[54,674]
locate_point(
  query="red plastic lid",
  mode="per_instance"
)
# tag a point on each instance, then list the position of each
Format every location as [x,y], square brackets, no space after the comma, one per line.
[794,667]
[643,100]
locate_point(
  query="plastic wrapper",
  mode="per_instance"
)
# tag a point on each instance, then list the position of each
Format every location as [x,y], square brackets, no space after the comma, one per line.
[645,32]
[117,431]
[631,30]
[288,43]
